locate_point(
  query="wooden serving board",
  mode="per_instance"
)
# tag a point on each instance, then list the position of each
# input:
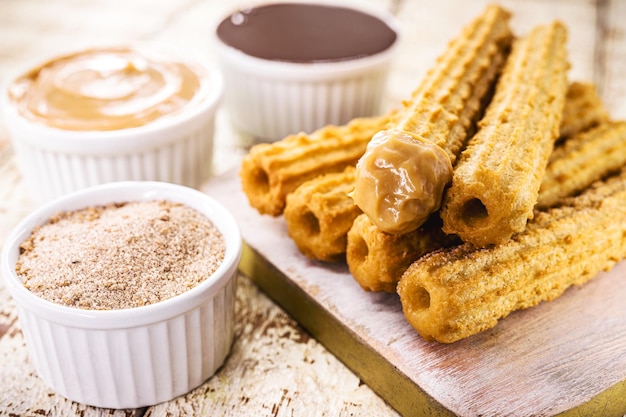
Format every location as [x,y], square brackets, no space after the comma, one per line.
[565,357]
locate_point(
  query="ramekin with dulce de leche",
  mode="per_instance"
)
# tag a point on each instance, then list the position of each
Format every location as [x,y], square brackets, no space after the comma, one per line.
[112,114]
[297,66]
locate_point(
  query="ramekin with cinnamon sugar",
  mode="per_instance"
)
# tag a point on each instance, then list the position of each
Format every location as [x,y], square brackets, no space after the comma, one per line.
[110,334]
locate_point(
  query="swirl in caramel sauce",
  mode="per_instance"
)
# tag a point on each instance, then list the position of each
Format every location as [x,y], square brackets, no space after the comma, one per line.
[106,89]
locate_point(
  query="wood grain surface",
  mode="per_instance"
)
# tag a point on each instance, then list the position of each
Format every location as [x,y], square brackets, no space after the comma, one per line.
[562,354]
[276,368]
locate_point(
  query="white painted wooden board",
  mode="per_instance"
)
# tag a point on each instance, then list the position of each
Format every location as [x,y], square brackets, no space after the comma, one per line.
[550,359]
[275,368]
[285,380]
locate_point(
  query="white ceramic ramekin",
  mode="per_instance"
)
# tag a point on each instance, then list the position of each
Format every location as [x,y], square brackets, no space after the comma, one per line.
[177,149]
[131,357]
[269,100]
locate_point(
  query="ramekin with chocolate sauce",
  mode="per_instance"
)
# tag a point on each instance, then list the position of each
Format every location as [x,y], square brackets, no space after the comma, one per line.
[297,66]
[112,114]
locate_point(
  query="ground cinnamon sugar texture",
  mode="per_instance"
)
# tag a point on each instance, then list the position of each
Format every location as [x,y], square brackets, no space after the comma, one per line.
[120,255]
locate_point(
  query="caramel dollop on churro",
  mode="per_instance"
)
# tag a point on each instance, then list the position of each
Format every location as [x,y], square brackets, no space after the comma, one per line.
[400,193]
[439,117]
[377,259]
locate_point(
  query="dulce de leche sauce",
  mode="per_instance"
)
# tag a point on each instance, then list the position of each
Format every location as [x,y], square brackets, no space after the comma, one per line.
[305,32]
[105,89]
[400,180]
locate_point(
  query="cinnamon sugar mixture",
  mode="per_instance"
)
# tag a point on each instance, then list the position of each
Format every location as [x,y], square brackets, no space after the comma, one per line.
[120,255]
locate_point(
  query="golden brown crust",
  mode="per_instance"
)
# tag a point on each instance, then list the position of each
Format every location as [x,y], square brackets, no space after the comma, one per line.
[497,178]
[454,293]
[440,115]
[377,259]
[583,110]
[454,91]
[270,171]
[319,214]
[581,160]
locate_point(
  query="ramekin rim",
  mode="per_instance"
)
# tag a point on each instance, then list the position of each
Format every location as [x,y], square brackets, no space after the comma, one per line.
[302,70]
[334,66]
[130,317]
[210,102]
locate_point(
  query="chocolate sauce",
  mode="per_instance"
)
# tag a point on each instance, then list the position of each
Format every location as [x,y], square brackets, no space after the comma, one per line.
[305,32]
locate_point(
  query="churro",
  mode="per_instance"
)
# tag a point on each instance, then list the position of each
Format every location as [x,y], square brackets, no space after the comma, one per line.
[270,171]
[454,293]
[401,176]
[497,178]
[319,214]
[581,160]
[377,259]
[583,109]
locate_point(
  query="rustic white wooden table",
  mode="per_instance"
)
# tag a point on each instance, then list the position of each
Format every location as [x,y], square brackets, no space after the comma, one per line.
[275,368]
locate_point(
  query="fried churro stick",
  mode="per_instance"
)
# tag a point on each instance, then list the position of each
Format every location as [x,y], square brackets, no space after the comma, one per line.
[377,259]
[496,181]
[447,122]
[401,177]
[583,159]
[270,171]
[583,109]
[320,213]
[454,293]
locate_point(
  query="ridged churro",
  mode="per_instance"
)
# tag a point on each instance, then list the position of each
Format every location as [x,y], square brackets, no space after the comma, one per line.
[377,259]
[454,293]
[401,177]
[583,109]
[497,178]
[581,160]
[319,214]
[270,171]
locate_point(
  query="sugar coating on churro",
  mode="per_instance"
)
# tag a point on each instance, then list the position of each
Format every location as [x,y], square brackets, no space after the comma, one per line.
[581,160]
[270,171]
[377,259]
[583,109]
[436,120]
[454,293]
[497,178]
[319,214]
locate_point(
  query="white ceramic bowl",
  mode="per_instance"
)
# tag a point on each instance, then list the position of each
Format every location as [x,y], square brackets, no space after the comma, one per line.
[269,100]
[132,357]
[177,148]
